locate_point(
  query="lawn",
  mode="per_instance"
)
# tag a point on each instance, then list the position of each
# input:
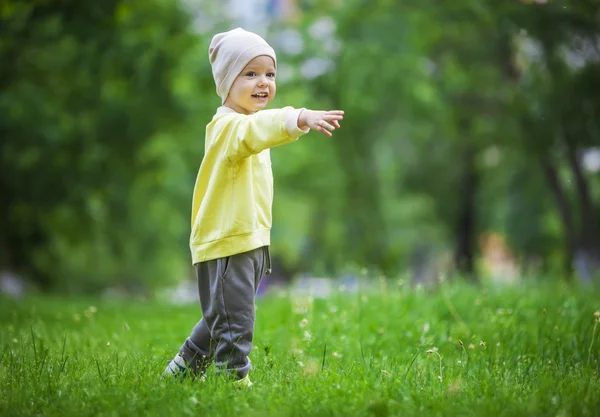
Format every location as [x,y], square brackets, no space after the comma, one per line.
[459,350]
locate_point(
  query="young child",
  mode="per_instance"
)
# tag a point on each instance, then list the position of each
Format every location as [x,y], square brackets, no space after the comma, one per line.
[231,208]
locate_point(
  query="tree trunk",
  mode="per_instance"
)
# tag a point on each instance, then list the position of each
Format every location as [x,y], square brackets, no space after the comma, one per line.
[589,227]
[587,252]
[563,210]
[464,256]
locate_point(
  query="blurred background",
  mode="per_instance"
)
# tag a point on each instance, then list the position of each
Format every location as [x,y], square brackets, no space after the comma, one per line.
[470,146]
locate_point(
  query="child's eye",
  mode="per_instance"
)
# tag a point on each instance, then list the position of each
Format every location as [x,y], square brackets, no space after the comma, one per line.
[250,74]
[271,75]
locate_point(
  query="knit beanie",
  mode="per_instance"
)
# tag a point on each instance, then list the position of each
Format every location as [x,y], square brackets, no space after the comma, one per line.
[230,52]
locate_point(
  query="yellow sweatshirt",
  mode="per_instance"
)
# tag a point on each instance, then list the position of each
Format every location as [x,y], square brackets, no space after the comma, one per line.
[233,195]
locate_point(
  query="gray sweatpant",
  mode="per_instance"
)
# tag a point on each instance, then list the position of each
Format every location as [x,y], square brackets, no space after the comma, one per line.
[227,288]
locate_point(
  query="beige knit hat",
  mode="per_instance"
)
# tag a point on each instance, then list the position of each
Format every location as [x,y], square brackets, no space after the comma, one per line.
[230,52]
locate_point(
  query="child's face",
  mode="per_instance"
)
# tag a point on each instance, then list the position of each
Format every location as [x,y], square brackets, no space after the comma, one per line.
[254,88]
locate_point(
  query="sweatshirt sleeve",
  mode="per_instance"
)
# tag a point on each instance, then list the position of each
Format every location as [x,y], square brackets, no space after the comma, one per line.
[252,134]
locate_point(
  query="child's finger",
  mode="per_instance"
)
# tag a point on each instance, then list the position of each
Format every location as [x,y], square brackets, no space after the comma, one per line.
[326,125]
[320,126]
[324,131]
[336,124]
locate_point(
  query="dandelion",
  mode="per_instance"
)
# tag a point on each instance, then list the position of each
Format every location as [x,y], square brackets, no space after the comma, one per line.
[301,364]
[336,355]
[482,343]
[311,368]
[434,350]
[426,328]
[303,323]
[498,344]
[194,400]
[307,336]
[90,311]
[108,344]
[15,340]
[471,346]
[454,388]
[597,316]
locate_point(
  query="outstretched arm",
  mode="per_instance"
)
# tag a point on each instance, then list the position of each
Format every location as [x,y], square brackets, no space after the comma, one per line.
[269,128]
[248,135]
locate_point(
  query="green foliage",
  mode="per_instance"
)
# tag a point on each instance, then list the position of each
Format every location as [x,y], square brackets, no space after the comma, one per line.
[390,350]
[436,89]
[461,119]
[89,106]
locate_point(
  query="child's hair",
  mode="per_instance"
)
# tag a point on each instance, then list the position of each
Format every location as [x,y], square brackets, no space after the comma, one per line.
[230,52]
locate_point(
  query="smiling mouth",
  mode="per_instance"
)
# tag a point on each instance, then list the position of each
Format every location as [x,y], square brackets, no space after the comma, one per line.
[260,95]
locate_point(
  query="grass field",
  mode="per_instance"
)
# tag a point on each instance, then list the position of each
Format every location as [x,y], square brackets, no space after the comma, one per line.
[458,351]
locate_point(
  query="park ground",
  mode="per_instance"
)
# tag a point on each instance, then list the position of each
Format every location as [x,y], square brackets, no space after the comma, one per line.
[458,350]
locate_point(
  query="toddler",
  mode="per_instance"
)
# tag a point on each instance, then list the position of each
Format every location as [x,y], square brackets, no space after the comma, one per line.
[233,195]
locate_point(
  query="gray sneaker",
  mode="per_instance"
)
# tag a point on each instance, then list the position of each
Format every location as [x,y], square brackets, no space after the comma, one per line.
[176,367]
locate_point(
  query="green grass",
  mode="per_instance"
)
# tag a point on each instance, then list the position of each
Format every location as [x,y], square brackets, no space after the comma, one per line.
[519,351]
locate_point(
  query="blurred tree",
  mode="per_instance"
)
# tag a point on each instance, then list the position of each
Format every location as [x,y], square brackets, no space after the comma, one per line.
[462,118]
[433,68]
[87,94]
[559,114]
[448,78]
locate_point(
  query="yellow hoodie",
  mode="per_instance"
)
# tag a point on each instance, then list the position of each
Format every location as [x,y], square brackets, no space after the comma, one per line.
[233,195]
